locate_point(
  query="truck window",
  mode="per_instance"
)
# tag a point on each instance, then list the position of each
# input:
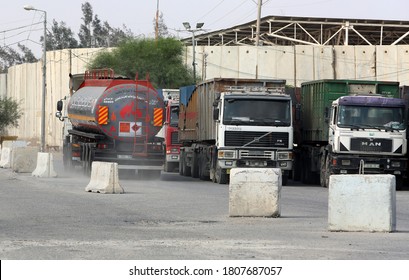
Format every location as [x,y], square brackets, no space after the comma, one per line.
[174,116]
[366,117]
[261,112]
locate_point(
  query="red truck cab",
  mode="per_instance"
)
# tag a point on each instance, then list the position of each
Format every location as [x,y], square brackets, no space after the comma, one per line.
[171,131]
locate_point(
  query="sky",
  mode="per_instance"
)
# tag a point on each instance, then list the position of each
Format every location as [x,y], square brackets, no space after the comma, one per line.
[19,25]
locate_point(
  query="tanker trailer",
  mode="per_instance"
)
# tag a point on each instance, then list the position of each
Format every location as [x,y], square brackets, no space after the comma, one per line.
[113,119]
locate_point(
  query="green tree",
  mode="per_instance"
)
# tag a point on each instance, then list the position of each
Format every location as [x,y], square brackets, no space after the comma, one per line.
[10,57]
[162,60]
[162,27]
[60,37]
[10,113]
[85,28]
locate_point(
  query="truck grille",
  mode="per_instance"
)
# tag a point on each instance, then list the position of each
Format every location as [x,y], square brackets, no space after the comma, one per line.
[371,145]
[256,154]
[241,138]
[174,138]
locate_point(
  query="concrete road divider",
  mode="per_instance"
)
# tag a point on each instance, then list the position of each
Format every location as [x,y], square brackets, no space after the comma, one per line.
[45,166]
[362,203]
[24,159]
[5,161]
[255,192]
[104,178]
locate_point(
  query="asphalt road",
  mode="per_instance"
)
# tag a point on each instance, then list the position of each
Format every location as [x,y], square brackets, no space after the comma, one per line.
[175,218]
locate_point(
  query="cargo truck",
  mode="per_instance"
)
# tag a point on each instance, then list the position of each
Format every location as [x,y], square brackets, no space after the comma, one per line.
[112,119]
[350,127]
[226,123]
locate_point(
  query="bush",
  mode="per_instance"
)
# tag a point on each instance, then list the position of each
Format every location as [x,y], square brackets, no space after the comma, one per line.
[10,113]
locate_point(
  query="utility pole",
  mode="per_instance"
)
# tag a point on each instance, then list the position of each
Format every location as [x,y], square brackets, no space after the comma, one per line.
[157,21]
[31,8]
[260,3]
[188,28]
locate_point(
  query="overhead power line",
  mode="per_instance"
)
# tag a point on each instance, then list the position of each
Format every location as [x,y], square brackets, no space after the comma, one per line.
[21,27]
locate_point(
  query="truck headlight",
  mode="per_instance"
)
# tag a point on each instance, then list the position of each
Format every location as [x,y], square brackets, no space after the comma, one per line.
[227,154]
[284,155]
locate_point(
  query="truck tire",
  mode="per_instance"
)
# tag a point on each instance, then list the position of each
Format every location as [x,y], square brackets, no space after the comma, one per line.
[399,182]
[67,157]
[181,160]
[284,179]
[202,168]
[167,167]
[323,171]
[195,165]
[186,169]
[221,176]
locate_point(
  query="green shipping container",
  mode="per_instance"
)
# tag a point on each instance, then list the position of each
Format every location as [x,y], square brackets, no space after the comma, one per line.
[317,97]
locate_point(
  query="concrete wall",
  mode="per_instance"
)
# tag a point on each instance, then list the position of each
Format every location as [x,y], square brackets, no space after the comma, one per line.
[296,64]
[3,85]
[24,83]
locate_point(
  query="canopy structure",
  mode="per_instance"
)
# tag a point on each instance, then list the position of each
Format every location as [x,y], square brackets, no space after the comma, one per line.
[285,30]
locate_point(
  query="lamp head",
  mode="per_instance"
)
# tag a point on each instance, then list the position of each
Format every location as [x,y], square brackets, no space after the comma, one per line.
[186,25]
[28,8]
[199,24]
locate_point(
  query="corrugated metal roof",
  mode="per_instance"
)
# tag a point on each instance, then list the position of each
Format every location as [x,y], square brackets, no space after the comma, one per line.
[287,30]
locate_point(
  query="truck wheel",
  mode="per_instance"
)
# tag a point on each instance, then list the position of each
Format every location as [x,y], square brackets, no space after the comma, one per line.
[323,171]
[284,179]
[202,168]
[194,167]
[181,160]
[186,169]
[399,182]
[67,157]
[221,176]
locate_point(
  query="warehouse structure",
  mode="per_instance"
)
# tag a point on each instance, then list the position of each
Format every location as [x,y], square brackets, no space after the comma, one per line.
[300,49]
[296,49]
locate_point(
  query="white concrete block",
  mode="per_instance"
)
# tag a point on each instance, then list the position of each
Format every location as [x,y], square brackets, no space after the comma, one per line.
[255,192]
[24,159]
[362,203]
[104,178]
[5,161]
[14,144]
[45,166]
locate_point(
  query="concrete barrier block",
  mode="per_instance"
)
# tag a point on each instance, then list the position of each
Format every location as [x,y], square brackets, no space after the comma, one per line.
[362,203]
[5,161]
[255,192]
[24,159]
[45,166]
[14,144]
[104,178]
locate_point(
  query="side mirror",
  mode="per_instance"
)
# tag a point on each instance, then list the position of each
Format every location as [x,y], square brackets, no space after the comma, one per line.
[59,105]
[297,112]
[326,114]
[215,114]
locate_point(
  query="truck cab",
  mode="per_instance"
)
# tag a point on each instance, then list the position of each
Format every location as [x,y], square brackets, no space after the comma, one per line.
[254,129]
[368,133]
[171,131]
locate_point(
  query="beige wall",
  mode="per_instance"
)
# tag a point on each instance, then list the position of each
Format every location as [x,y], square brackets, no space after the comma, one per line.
[296,64]
[24,83]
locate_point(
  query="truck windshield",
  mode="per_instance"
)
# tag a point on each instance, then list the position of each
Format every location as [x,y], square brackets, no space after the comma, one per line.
[371,117]
[259,112]
[174,116]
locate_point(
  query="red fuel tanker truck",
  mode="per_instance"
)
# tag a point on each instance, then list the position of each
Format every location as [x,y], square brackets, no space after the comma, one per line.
[113,119]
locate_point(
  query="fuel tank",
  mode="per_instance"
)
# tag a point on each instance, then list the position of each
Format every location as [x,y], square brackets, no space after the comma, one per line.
[118,108]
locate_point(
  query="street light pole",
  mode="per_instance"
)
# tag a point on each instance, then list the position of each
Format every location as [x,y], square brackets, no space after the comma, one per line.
[31,8]
[198,28]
